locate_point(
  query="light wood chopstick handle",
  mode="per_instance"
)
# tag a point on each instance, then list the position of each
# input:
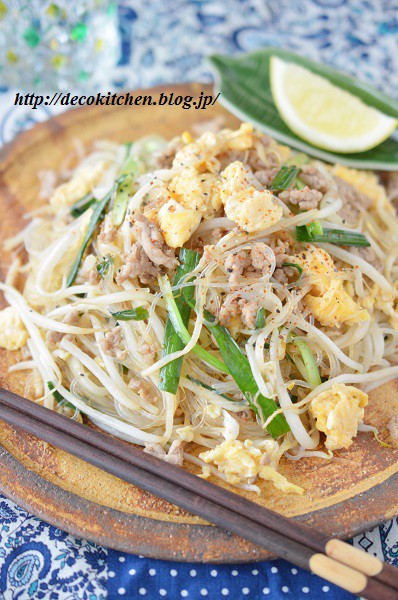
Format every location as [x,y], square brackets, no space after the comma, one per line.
[349,579]
[363,562]
[337,573]
[357,559]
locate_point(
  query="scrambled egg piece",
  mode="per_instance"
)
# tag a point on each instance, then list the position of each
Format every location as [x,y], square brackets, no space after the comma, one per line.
[202,153]
[385,301]
[365,182]
[13,334]
[197,191]
[81,184]
[338,411]
[177,223]
[240,461]
[181,205]
[328,301]
[251,209]
[186,433]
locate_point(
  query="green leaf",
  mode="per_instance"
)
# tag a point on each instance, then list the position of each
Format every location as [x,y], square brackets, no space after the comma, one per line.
[245,90]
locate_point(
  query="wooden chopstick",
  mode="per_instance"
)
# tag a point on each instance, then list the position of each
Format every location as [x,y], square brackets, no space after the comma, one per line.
[337,549]
[131,464]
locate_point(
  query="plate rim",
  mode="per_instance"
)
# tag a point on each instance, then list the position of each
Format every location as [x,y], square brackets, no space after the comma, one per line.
[231,549]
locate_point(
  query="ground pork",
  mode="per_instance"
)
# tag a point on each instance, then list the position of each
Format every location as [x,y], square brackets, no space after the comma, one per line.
[249,264]
[256,162]
[165,159]
[72,318]
[137,264]
[368,254]
[108,231]
[209,238]
[312,177]
[149,350]
[306,198]
[245,415]
[251,157]
[234,306]
[235,264]
[281,245]
[174,456]
[148,254]
[353,201]
[142,388]
[151,239]
[230,156]
[393,427]
[266,176]
[112,344]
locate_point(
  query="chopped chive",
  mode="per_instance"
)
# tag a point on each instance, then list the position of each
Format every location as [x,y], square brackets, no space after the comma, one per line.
[169,375]
[284,179]
[95,218]
[314,228]
[295,266]
[104,266]
[260,318]
[239,367]
[124,187]
[80,206]
[339,237]
[180,327]
[59,397]
[300,183]
[132,314]
[311,367]
[297,160]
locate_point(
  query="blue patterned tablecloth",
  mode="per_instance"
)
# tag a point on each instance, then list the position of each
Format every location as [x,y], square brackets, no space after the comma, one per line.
[164,41]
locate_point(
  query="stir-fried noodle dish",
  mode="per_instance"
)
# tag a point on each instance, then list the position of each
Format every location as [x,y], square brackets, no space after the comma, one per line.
[221,300]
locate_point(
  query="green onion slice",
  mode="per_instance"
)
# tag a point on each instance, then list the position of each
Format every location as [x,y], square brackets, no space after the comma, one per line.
[104,266]
[59,397]
[95,218]
[284,179]
[132,314]
[339,237]
[313,376]
[294,265]
[80,206]
[260,318]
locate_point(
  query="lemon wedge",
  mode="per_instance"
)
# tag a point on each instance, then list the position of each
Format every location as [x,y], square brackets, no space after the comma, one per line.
[324,114]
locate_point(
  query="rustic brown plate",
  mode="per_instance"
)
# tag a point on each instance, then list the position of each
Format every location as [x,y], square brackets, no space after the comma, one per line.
[356,490]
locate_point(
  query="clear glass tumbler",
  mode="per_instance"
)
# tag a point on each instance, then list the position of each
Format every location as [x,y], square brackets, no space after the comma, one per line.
[62,45]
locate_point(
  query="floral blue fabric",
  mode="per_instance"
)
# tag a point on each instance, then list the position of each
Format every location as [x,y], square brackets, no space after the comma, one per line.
[39,561]
[167,41]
